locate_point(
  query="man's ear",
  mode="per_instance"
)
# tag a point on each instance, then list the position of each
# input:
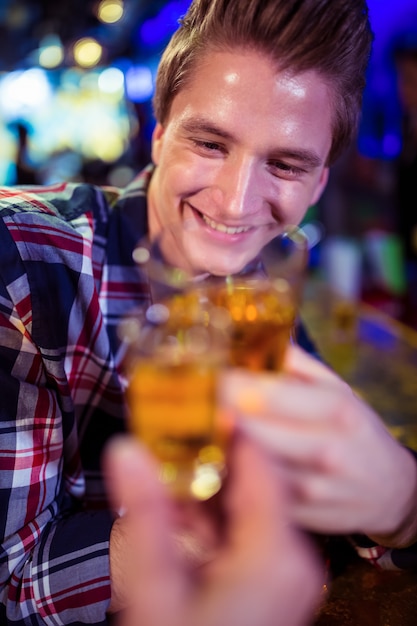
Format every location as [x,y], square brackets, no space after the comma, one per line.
[157,141]
[324,177]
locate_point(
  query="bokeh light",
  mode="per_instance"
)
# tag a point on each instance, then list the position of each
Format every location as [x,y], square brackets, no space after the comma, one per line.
[87,52]
[110,11]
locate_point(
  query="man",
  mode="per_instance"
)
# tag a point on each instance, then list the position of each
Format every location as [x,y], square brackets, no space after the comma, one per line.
[255,99]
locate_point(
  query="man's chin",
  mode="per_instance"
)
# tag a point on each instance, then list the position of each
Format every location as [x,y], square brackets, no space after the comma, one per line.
[217,267]
[216,260]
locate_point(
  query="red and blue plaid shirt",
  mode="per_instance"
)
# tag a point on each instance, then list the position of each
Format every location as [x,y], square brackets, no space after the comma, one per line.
[67,277]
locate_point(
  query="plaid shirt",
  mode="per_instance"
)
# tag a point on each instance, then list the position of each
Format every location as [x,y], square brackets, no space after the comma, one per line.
[66,279]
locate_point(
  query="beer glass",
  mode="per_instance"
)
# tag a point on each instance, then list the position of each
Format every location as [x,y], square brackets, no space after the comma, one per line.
[173,359]
[262,301]
[197,324]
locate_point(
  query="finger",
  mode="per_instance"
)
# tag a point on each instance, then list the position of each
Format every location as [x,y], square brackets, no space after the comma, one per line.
[298,362]
[256,500]
[314,448]
[284,397]
[132,475]
[264,552]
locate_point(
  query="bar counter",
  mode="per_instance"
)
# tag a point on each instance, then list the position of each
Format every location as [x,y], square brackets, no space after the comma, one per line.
[377,356]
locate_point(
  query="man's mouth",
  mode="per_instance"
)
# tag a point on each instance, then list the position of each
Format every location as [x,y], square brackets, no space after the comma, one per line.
[229,230]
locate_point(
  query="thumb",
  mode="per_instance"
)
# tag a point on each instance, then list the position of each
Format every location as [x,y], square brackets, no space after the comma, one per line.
[154,571]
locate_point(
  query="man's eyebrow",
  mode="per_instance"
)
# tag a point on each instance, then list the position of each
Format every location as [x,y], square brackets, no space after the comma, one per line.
[197,125]
[307,157]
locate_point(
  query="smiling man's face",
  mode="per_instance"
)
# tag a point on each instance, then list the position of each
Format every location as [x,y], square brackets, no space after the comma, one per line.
[242,154]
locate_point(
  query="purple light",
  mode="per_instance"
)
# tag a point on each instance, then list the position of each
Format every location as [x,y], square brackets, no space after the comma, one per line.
[158,29]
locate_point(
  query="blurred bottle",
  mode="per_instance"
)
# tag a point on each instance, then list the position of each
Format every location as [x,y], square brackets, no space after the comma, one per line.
[25,172]
[405,58]
[342,266]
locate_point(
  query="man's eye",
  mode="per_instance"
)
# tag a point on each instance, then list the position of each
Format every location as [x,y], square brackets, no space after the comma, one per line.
[207,145]
[281,168]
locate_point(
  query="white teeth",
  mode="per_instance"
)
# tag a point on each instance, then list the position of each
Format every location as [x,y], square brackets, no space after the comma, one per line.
[230,230]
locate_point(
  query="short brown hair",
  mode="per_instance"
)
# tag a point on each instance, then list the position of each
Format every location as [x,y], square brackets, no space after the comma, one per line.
[332,37]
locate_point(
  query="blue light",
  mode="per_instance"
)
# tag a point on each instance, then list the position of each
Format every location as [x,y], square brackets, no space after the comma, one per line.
[139,83]
[391,145]
[380,133]
[158,29]
[369,145]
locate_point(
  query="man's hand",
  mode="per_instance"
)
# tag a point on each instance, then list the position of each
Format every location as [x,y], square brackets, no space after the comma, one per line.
[346,472]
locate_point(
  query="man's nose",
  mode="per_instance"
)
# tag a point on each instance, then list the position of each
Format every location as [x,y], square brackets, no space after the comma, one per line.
[239,187]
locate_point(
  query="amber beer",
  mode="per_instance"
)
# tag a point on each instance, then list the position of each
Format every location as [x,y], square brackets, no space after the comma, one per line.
[174,368]
[172,400]
[262,316]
